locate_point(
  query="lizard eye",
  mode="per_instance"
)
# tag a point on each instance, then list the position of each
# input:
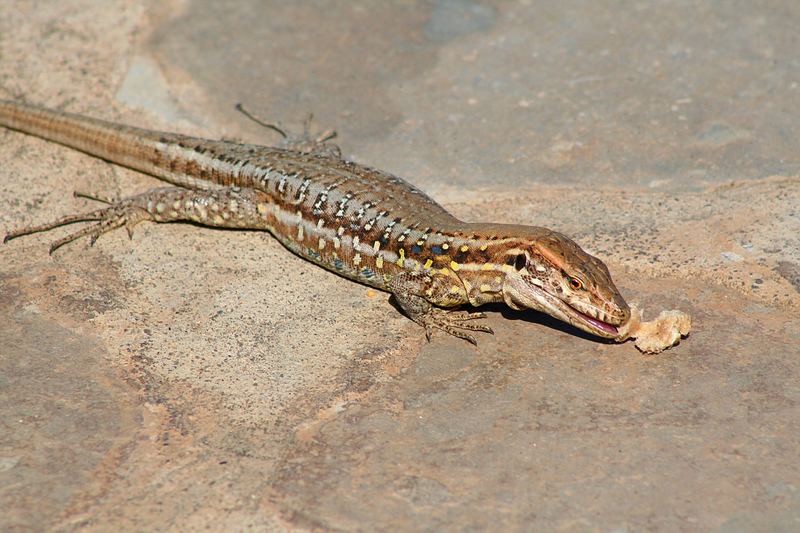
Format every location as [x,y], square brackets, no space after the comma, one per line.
[575,284]
[520,262]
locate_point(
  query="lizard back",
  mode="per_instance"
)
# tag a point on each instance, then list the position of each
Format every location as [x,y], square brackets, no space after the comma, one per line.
[361,222]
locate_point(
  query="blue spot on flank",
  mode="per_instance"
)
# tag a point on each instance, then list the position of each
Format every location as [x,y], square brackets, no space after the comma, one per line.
[416,249]
[338,264]
[313,253]
[437,250]
[367,272]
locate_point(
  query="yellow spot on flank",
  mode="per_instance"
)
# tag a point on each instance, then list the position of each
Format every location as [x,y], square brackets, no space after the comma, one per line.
[465,248]
[445,246]
[357,259]
[484,247]
[429,292]
[336,242]
[300,232]
[321,244]
[402,259]
[261,208]
[445,272]
[233,205]
[486,288]
[379,262]
[487,266]
[160,207]
[428,263]
[455,289]
[320,223]
[455,266]
[217,219]
[176,205]
[376,245]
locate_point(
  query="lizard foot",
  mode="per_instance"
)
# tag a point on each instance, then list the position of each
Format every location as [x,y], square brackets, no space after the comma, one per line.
[408,286]
[120,214]
[303,143]
[452,322]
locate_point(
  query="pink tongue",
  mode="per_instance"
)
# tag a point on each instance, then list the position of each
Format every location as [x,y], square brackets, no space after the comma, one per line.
[608,328]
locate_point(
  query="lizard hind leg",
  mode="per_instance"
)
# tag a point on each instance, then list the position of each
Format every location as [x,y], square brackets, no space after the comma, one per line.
[407,288]
[229,207]
[304,143]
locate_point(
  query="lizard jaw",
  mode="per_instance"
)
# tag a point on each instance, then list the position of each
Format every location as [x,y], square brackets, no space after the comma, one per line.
[532,297]
[610,330]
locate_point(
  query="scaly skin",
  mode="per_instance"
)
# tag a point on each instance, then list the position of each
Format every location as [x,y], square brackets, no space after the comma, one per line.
[362,223]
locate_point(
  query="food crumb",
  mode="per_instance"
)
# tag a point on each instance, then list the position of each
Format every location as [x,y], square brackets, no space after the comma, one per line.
[657,335]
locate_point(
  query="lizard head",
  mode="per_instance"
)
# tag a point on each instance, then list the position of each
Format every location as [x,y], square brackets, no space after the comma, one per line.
[549,272]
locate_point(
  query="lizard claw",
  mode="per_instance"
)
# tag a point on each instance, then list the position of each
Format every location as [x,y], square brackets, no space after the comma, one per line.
[97,197]
[453,322]
[122,213]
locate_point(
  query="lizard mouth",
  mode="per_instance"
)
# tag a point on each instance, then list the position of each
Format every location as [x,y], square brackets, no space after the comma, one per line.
[609,330]
[533,297]
[580,319]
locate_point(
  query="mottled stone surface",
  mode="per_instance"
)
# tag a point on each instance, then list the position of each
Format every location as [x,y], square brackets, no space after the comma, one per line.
[195,378]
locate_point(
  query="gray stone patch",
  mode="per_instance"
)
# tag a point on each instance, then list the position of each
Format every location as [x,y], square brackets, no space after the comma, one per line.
[451,19]
[791,272]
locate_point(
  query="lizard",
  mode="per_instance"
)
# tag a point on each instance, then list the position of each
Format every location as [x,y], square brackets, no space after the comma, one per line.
[359,222]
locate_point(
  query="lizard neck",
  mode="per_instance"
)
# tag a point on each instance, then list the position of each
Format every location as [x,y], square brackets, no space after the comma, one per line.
[479,256]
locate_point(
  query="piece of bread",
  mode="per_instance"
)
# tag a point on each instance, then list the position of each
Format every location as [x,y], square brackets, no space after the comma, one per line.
[657,335]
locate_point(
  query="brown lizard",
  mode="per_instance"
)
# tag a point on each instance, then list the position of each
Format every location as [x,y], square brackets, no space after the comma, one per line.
[362,223]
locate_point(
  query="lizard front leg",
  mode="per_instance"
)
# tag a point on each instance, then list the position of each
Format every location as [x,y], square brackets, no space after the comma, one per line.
[230,207]
[417,292]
